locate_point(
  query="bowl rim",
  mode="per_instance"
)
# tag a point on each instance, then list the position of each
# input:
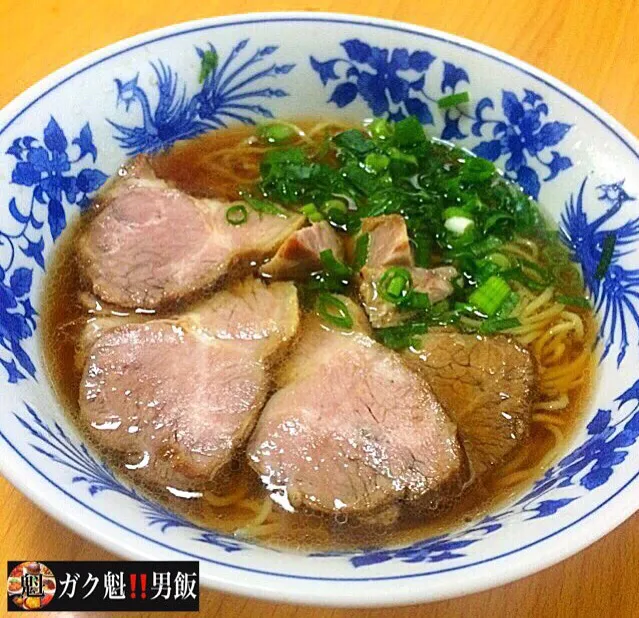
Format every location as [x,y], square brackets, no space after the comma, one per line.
[62,509]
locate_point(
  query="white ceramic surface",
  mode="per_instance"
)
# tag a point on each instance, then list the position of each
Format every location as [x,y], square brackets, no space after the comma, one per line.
[61,138]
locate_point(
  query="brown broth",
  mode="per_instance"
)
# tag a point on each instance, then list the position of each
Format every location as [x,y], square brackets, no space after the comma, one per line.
[193,166]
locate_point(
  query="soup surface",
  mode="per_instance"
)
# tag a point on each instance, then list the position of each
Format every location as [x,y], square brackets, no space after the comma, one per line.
[511,281]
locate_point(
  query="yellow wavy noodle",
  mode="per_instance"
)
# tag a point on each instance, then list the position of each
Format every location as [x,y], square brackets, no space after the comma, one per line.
[525,472]
[227,500]
[561,342]
[262,509]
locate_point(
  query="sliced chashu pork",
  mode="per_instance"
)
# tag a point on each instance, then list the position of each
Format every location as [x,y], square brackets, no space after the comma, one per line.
[436,282]
[484,383]
[299,255]
[177,397]
[388,243]
[389,246]
[150,243]
[351,429]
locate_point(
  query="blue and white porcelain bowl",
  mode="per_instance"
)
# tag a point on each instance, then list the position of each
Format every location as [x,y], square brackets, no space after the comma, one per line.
[61,139]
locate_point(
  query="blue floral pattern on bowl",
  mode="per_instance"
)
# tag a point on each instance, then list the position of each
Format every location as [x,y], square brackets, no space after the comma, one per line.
[49,167]
[398,83]
[235,90]
[59,171]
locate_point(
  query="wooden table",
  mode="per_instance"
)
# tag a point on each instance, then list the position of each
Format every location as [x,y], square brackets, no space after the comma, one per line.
[590,44]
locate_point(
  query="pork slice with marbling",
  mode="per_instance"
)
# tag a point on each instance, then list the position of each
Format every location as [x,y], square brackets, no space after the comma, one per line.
[352,429]
[149,243]
[176,398]
[486,384]
[388,242]
[435,282]
[389,247]
[299,255]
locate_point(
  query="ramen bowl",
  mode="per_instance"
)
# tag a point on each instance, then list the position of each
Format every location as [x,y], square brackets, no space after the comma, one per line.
[62,138]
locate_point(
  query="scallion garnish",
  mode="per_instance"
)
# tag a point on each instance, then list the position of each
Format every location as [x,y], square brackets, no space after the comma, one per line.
[333,266]
[491,295]
[361,251]
[496,325]
[264,206]
[452,100]
[458,224]
[499,221]
[354,141]
[376,162]
[380,129]
[334,311]
[458,210]
[500,260]
[311,213]
[276,132]
[515,274]
[416,301]
[237,215]
[409,132]
[476,169]
[334,204]
[574,301]
[607,251]
[401,337]
[395,284]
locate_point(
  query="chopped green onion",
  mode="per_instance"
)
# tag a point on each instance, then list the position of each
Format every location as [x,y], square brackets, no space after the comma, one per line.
[395,287]
[334,311]
[376,162]
[237,215]
[397,155]
[452,100]
[380,128]
[264,206]
[334,204]
[416,301]
[333,266]
[458,225]
[574,301]
[400,337]
[491,295]
[339,219]
[494,326]
[607,251]
[476,169]
[401,163]
[311,213]
[454,211]
[485,269]
[361,251]
[276,133]
[515,274]
[209,64]
[354,141]
[500,221]
[395,284]
[509,306]
[465,308]
[422,249]
[409,132]
[500,260]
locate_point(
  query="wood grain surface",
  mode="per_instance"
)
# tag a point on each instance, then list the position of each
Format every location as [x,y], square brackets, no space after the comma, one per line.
[590,44]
